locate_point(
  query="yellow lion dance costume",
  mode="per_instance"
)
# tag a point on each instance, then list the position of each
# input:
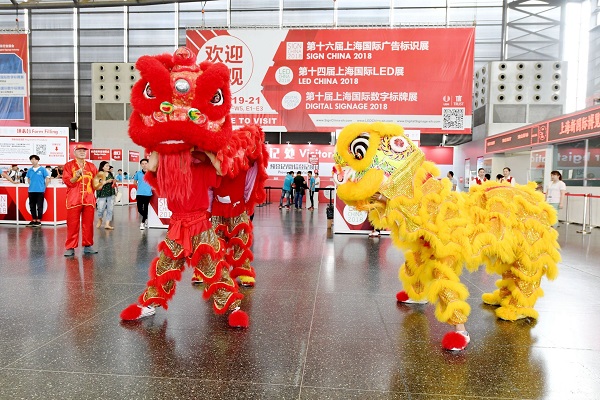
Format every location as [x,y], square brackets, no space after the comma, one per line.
[507,228]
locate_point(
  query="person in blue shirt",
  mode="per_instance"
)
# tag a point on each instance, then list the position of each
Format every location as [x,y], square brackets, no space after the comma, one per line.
[144,193]
[119,176]
[311,190]
[286,191]
[38,178]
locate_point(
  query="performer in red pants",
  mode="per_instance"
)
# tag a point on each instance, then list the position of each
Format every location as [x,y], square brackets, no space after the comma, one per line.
[78,175]
[190,238]
[231,222]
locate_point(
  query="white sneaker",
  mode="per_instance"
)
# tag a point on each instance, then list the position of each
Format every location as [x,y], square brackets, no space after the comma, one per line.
[142,226]
[147,311]
[146,224]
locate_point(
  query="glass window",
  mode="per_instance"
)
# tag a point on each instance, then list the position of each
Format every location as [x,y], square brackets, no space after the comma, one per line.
[569,160]
[308,17]
[152,21]
[593,166]
[104,37]
[255,5]
[255,18]
[358,17]
[151,38]
[97,20]
[418,16]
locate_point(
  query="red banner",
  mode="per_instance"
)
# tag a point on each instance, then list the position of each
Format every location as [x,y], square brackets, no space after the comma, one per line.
[117,154]
[134,156]
[14,100]
[578,125]
[100,154]
[324,79]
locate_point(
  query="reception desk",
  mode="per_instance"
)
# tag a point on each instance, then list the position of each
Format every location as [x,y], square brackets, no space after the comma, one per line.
[14,204]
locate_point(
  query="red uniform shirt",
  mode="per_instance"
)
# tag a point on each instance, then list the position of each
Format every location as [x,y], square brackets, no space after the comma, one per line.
[79,192]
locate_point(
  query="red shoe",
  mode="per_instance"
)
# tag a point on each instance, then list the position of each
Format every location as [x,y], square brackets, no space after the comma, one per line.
[456,341]
[238,319]
[134,312]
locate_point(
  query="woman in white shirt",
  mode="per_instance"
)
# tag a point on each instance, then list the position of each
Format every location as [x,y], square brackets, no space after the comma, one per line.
[555,192]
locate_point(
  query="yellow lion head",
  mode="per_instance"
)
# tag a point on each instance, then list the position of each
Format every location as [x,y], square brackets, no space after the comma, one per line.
[374,158]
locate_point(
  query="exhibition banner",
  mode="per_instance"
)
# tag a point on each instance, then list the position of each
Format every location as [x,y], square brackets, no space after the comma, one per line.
[17,144]
[320,80]
[117,154]
[14,99]
[99,154]
[134,156]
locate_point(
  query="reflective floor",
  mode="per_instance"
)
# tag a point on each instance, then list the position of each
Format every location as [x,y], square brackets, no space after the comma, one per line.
[324,323]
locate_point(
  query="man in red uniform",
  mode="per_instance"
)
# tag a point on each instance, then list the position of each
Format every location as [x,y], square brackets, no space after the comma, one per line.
[78,175]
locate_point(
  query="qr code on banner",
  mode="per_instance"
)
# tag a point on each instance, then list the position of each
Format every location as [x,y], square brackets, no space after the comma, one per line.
[294,51]
[40,149]
[453,118]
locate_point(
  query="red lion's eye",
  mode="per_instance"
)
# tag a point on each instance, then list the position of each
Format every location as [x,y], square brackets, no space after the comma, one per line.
[217,99]
[148,92]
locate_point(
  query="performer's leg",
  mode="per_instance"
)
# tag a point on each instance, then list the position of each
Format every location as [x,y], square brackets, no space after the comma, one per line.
[165,270]
[87,226]
[73,222]
[240,256]
[495,298]
[208,259]
[523,288]
[413,278]
[164,273]
[451,296]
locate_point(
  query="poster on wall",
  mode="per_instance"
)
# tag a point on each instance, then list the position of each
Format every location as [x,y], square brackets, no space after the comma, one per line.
[17,144]
[319,80]
[14,99]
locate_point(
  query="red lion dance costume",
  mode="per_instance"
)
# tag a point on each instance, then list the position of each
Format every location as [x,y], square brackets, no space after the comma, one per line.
[181,115]
[233,203]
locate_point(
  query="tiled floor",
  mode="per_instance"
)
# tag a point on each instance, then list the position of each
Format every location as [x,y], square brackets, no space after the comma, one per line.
[324,324]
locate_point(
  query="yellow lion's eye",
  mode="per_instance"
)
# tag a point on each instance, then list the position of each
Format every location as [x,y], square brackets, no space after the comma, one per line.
[359,146]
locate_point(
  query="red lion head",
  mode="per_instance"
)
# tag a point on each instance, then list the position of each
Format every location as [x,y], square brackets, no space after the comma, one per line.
[178,104]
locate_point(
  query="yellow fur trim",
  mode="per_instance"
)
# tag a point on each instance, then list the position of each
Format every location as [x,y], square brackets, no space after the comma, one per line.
[506,228]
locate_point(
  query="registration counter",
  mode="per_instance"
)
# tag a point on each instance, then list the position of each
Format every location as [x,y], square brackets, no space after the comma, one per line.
[14,203]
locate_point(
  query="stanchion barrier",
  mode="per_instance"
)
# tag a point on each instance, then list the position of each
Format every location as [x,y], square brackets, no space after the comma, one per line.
[586,205]
[567,222]
[591,208]
[567,195]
